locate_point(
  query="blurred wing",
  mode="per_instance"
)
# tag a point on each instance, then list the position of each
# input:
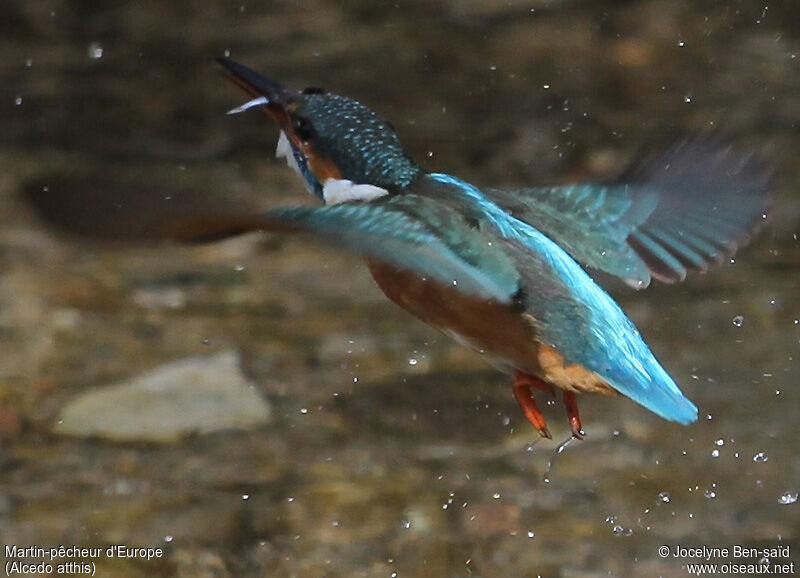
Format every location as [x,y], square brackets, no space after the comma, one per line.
[409,232]
[98,206]
[685,209]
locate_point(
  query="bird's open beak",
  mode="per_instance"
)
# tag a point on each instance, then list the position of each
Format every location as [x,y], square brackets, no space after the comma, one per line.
[267,93]
[278,101]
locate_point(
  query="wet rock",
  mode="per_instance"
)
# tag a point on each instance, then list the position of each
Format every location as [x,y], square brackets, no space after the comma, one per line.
[193,395]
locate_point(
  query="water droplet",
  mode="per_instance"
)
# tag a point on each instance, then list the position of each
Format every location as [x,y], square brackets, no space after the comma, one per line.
[168,538]
[304,410]
[719,442]
[245,497]
[413,361]
[681,44]
[496,495]
[239,268]
[620,530]
[738,320]
[205,341]
[760,457]
[687,99]
[406,524]
[95,51]
[29,63]
[710,494]
[714,453]
[18,100]
[788,497]
[531,533]
[546,86]
[663,498]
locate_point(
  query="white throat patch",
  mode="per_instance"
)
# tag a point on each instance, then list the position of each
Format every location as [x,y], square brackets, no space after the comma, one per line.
[337,191]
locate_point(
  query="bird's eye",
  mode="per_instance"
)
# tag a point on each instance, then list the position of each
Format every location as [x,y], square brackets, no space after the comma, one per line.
[302,128]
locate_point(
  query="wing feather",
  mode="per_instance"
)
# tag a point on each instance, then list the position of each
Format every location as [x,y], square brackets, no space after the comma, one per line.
[409,232]
[413,233]
[684,209]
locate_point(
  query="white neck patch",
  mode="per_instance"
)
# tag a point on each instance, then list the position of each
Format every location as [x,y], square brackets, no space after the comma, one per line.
[337,191]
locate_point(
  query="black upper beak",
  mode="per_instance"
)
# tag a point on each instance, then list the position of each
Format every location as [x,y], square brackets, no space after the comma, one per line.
[255,84]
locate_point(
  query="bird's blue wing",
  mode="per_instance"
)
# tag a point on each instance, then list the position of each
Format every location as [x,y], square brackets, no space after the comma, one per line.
[581,321]
[682,210]
[407,231]
[570,312]
[412,233]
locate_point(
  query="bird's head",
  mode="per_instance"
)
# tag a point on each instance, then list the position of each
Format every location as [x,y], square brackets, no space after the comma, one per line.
[342,149]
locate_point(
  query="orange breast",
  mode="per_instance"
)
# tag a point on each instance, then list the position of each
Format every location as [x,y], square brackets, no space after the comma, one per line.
[504,334]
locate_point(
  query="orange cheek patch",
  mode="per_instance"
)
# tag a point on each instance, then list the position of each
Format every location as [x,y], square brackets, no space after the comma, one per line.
[323,168]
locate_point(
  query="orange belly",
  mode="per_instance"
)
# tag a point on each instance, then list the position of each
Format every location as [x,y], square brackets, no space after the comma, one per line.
[505,335]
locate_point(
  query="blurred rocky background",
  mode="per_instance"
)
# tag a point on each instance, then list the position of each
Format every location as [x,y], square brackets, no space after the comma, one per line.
[257,408]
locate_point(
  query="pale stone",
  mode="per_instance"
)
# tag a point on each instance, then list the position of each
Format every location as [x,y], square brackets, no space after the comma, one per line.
[192,395]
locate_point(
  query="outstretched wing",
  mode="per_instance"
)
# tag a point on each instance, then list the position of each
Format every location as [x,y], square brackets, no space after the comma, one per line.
[684,209]
[111,208]
[409,232]
[413,233]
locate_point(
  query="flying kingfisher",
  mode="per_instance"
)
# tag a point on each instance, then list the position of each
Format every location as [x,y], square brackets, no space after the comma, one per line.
[500,271]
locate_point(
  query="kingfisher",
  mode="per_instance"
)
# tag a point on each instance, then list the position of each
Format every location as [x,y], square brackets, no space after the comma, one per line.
[503,272]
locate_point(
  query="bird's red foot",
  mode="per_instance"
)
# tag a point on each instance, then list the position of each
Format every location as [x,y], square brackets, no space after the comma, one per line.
[523,383]
[572,415]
